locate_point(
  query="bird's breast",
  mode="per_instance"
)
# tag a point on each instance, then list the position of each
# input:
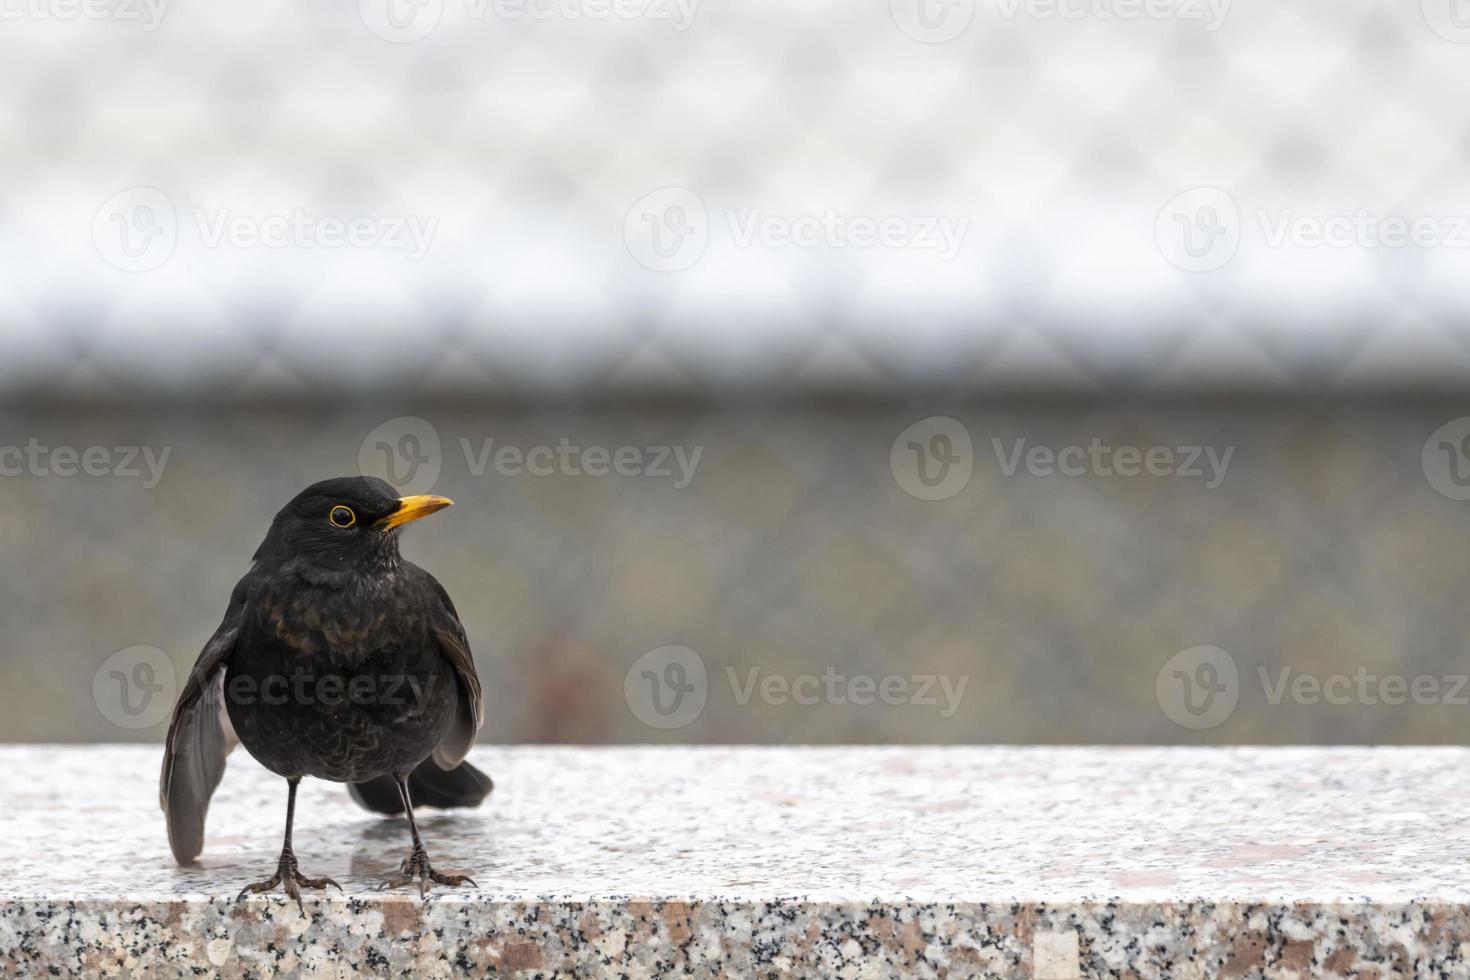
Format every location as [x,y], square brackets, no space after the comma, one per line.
[341,626]
[338,683]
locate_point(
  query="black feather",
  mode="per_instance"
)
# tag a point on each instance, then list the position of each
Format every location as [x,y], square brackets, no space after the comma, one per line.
[199,738]
[331,602]
[428,785]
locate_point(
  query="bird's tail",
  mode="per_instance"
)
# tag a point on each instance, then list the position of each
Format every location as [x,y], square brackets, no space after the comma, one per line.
[428,785]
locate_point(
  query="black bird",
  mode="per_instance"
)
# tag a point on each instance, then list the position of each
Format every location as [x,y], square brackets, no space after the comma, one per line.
[339,659]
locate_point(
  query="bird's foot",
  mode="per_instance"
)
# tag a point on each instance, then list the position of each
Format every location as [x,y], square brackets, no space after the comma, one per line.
[291,880]
[416,867]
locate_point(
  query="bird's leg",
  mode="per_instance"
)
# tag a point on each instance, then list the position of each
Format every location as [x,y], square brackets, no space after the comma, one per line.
[287,875]
[416,866]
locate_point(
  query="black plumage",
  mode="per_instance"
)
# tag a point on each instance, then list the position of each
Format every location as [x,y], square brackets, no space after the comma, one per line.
[337,658]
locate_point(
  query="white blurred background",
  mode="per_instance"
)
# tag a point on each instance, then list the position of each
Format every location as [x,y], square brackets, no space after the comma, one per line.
[979,195]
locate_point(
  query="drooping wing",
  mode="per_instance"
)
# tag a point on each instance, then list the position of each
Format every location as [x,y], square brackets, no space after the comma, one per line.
[455,646]
[199,738]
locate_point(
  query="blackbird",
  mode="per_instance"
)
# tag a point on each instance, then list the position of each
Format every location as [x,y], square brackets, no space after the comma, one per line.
[338,659]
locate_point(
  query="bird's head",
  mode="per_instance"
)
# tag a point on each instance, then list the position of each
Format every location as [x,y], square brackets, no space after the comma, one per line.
[346,522]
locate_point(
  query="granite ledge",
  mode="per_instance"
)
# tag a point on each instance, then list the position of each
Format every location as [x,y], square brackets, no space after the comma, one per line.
[848,862]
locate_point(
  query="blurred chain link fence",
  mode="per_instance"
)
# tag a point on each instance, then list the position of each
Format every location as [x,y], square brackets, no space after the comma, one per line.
[509,196]
[1042,574]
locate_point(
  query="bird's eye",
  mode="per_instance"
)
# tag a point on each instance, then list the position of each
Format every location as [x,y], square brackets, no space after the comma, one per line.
[342,516]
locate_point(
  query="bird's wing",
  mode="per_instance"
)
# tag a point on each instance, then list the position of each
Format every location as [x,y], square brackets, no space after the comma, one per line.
[450,634]
[199,738]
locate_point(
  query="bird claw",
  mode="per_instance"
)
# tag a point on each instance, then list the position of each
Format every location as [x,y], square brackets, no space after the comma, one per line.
[291,881]
[416,867]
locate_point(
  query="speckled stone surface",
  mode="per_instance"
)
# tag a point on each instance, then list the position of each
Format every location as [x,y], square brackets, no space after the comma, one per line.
[1011,862]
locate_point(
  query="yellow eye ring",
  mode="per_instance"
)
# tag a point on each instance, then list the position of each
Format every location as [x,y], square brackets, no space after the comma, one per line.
[342,517]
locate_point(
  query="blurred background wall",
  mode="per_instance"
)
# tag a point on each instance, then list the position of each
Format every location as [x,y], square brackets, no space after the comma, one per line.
[980,370]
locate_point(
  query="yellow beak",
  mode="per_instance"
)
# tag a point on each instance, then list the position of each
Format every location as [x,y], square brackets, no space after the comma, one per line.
[412,508]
